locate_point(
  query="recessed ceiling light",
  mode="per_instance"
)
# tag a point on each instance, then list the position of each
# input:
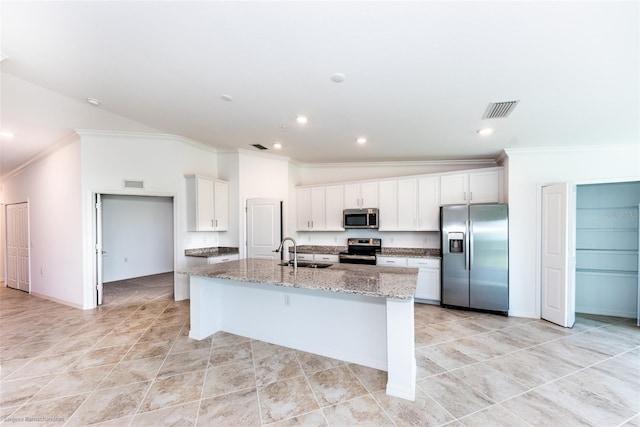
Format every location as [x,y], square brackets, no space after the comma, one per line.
[485,131]
[226,97]
[277,145]
[93,101]
[6,134]
[361,140]
[338,77]
[302,119]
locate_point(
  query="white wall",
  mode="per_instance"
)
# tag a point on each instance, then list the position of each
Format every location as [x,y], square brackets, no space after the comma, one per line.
[528,170]
[161,161]
[52,187]
[137,236]
[2,234]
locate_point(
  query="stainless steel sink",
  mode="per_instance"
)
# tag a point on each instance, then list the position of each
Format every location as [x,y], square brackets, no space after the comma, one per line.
[307,264]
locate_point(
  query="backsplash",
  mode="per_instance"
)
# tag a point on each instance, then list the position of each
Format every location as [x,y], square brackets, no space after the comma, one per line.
[398,239]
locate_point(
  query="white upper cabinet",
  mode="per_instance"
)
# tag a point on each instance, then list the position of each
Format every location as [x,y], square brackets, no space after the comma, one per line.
[471,187]
[334,202]
[207,204]
[398,204]
[311,208]
[361,195]
[429,203]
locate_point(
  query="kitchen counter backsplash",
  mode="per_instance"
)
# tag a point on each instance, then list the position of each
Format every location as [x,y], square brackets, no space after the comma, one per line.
[404,252]
[209,252]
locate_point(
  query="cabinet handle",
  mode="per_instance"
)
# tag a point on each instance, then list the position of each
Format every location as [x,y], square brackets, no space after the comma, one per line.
[216,223]
[464,195]
[470,195]
[212,223]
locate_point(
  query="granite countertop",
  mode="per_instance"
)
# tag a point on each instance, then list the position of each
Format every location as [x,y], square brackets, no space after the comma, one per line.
[209,252]
[370,280]
[403,252]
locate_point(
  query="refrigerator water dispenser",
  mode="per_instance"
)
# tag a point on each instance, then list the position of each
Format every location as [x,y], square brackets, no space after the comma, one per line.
[456,245]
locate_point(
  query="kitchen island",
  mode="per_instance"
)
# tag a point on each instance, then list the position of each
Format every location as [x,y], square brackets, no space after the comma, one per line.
[359,314]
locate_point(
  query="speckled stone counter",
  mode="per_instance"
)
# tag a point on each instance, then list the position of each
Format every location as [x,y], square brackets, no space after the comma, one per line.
[318,249]
[209,252]
[385,282]
[412,252]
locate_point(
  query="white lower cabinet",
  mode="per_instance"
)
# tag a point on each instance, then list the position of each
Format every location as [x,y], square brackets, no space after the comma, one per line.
[428,287]
[324,258]
[222,258]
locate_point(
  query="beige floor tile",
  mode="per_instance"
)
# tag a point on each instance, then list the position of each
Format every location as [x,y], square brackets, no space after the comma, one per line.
[235,409]
[149,349]
[158,333]
[230,354]
[174,416]
[229,378]
[17,392]
[458,401]
[263,349]
[277,367]
[45,365]
[447,355]
[538,410]
[490,382]
[100,357]
[109,404]
[175,390]
[54,412]
[70,383]
[189,361]
[494,416]
[132,371]
[362,411]
[312,419]
[335,385]
[425,366]
[372,379]
[424,411]
[313,363]
[286,399]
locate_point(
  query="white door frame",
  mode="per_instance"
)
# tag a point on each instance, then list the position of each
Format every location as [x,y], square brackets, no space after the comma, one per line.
[6,244]
[576,183]
[91,286]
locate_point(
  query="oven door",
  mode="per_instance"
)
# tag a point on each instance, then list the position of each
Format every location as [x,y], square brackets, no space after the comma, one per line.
[357,259]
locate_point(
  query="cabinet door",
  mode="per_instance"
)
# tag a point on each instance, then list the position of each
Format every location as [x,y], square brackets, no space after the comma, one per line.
[333,203]
[428,284]
[484,187]
[303,209]
[388,204]
[391,261]
[428,204]
[454,189]
[317,208]
[205,218]
[352,196]
[407,204]
[369,195]
[221,206]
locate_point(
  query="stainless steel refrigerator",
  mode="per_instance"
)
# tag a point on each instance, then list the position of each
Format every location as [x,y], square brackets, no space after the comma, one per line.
[475,256]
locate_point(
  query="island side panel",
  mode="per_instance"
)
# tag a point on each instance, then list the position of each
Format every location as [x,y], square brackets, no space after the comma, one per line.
[347,327]
[401,355]
[204,307]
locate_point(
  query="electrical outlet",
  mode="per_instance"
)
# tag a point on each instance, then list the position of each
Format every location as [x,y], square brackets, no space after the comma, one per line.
[126,260]
[287,302]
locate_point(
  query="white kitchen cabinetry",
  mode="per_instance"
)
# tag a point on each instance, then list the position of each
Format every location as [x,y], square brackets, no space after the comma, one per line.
[334,202]
[471,187]
[428,287]
[398,204]
[361,195]
[323,258]
[310,208]
[222,258]
[429,203]
[207,204]
[391,261]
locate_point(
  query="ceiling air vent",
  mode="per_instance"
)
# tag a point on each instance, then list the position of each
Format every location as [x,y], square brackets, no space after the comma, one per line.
[260,147]
[129,183]
[499,110]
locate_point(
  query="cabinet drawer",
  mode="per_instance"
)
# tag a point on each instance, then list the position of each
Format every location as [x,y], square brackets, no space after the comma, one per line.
[222,258]
[302,257]
[423,263]
[391,261]
[326,258]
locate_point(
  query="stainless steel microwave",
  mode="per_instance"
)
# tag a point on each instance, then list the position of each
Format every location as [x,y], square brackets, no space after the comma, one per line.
[361,218]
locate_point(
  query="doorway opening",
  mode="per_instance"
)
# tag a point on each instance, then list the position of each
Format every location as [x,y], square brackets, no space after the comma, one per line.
[17,246]
[135,242]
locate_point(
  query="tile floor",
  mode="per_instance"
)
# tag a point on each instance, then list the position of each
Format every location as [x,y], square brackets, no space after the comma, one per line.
[131,363]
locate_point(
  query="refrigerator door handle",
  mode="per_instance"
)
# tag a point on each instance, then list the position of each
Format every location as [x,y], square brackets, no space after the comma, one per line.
[470,249]
[467,266]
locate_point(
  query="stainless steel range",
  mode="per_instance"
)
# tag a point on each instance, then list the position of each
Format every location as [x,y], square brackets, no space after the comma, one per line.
[361,251]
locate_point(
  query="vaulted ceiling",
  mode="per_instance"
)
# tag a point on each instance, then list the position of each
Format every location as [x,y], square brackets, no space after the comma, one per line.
[417,77]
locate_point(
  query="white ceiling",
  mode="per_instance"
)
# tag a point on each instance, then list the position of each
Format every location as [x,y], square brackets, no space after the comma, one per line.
[419,75]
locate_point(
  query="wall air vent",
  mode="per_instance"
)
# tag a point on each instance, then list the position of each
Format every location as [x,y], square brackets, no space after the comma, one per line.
[260,147]
[499,110]
[129,183]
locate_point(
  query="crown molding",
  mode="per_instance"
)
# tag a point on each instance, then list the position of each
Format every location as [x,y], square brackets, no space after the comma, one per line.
[470,162]
[145,135]
[570,148]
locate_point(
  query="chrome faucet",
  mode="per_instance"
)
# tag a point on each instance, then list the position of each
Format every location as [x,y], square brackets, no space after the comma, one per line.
[295,250]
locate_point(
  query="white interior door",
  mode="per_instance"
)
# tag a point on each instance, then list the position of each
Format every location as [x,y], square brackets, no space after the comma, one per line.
[638,313]
[99,251]
[18,246]
[558,254]
[264,228]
